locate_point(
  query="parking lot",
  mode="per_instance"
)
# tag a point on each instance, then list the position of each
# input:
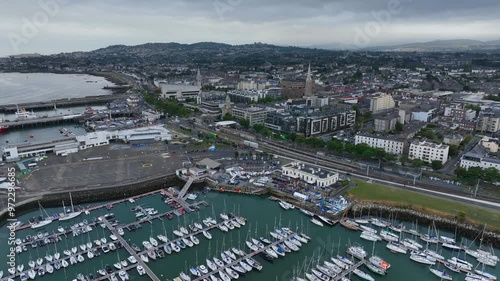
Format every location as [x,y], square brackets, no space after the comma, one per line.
[116,163]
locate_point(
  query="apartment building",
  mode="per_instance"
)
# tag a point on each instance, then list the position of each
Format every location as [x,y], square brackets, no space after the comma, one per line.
[381,103]
[389,144]
[428,151]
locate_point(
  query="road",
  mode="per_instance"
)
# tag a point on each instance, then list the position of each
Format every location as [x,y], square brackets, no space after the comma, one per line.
[449,167]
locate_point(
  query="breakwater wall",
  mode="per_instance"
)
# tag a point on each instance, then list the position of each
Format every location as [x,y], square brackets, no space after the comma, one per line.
[464,229]
[81,197]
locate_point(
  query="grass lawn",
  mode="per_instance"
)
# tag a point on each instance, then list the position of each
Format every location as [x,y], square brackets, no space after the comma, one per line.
[386,194]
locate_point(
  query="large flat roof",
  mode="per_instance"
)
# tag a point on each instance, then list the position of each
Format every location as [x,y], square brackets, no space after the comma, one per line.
[225,123]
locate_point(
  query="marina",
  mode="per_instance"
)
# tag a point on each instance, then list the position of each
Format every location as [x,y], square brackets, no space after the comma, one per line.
[292,264]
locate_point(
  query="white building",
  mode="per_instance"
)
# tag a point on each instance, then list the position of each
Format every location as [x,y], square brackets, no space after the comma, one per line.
[309,174]
[180,91]
[424,116]
[390,145]
[252,85]
[15,152]
[476,160]
[150,116]
[136,135]
[428,151]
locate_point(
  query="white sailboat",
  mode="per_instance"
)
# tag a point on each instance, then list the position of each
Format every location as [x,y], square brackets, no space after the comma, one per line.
[43,222]
[441,274]
[67,216]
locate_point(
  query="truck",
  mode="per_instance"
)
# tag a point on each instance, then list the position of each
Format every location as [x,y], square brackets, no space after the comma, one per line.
[251,144]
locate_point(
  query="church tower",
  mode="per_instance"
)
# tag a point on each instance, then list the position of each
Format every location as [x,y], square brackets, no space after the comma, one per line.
[308,91]
[198,79]
[227,108]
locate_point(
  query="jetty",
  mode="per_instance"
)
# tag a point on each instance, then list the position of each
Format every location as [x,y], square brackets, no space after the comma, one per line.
[160,245]
[246,256]
[42,121]
[348,271]
[61,103]
[158,216]
[99,206]
[131,251]
[63,257]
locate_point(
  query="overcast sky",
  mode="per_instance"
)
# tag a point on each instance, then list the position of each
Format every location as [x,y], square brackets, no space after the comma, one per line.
[86,25]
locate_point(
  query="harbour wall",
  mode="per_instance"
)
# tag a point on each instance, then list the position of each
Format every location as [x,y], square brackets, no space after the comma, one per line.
[449,223]
[84,196]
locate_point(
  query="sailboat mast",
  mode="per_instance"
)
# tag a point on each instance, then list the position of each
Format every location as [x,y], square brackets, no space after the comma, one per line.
[71,200]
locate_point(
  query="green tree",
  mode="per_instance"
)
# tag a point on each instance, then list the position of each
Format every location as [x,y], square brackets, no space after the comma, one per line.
[429,134]
[291,136]
[418,163]
[460,172]
[474,173]
[491,175]
[436,165]
[300,139]
[454,150]
[244,123]
[399,127]
[227,117]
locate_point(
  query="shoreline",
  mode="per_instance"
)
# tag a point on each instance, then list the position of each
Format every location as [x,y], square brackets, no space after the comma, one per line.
[466,229]
[108,77]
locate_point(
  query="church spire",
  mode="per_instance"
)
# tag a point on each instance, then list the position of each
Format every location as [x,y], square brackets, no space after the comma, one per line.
[308,91]
[198,78]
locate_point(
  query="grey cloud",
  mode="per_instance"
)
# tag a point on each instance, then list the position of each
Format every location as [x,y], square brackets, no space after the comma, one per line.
[90,24]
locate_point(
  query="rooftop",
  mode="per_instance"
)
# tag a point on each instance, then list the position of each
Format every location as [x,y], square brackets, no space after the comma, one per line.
[430,144]
[306,168]
[207,162]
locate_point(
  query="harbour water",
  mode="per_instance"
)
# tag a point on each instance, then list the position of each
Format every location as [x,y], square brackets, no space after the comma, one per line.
[34,87]
[261,214]
[39,134]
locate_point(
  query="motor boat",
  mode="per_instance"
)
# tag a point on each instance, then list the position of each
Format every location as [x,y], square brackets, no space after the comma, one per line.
[132,259]
[207,234]
[141,270]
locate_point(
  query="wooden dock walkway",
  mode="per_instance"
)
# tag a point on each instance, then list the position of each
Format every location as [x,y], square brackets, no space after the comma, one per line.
[160,245]
[131,251]
[108,276]
[63,257]
[246,256]
[349,270]
[184,190]
[55,235]
[100,206]
[158,216]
